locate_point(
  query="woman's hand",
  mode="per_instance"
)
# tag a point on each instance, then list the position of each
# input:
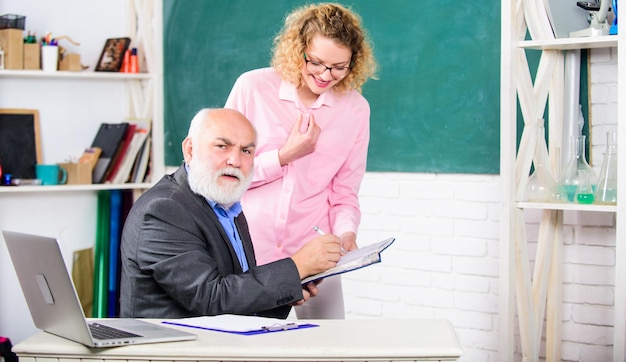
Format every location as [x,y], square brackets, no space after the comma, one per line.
[299,144]
[348,241]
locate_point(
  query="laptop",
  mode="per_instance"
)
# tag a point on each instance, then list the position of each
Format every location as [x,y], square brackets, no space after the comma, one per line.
[54,304]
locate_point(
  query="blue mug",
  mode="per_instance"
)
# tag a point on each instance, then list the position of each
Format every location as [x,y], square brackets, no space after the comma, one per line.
[51,174]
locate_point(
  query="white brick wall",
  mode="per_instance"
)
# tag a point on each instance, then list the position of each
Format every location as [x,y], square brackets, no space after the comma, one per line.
[444,263]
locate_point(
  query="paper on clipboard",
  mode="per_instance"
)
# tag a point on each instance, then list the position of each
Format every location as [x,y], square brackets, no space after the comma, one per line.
[354,260]
[239,324]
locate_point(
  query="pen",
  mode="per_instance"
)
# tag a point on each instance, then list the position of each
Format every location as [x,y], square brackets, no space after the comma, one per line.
[321,232]
[280,327]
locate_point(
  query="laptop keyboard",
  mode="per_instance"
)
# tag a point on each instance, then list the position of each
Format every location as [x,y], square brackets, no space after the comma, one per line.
[99,331]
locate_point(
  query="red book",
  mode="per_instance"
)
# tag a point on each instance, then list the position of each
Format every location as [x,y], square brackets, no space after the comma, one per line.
[119,154]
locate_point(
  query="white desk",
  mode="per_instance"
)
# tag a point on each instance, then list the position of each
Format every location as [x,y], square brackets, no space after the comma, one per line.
[334,340]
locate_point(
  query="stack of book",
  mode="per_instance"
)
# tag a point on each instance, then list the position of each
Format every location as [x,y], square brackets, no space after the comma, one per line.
[125,152]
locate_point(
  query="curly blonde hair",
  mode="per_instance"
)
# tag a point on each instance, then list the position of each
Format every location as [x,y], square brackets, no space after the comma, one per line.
[330,20]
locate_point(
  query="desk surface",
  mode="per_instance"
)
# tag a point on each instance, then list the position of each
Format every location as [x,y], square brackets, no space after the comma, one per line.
[334,340]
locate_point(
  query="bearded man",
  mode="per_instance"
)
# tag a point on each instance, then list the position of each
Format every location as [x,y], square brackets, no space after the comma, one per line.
[186,250]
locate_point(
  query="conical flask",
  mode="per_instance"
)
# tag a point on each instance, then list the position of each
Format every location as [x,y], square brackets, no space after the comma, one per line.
[577,163]
[584,190]
[540,184]
[606,192]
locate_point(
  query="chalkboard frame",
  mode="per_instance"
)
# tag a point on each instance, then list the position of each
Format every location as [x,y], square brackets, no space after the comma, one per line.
[30,149]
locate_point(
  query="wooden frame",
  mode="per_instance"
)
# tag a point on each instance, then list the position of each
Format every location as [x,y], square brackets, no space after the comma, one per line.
[112,55]
[20,142]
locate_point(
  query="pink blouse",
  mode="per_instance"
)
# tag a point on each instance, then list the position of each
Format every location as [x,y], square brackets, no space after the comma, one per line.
[284,203]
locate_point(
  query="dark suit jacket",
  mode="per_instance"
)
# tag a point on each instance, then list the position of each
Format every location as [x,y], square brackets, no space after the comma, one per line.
[178,262]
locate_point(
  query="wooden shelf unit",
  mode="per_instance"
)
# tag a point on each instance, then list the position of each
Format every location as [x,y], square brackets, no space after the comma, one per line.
[535,296]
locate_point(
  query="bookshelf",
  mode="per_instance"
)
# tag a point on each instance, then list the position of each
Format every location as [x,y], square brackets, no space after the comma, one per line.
[531,300]
[93,77]
[138,96]
[72,105]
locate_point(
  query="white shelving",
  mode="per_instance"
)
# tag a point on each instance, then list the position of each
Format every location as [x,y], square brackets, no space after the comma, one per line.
[71,188]
[131,96]
[535,296]
[86,75]
[136,90]
[72,105]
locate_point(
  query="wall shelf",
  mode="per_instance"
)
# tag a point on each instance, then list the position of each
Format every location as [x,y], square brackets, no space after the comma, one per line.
[606,41]
[87,75]
[70,188]
[565,206]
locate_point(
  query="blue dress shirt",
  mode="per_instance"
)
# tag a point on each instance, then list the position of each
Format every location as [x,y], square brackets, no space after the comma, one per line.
[227,219]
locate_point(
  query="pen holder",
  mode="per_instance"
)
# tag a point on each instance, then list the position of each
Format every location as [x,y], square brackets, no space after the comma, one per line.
[49,58]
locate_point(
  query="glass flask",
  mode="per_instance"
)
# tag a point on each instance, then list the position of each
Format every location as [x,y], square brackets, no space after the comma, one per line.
[584,190]
[606,192]
[572,169]
[540,184]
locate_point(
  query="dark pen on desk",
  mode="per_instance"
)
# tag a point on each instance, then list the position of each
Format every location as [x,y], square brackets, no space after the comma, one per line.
[280,327]
[321,232]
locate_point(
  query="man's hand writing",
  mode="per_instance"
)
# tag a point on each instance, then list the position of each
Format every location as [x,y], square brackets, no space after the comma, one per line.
[318,255]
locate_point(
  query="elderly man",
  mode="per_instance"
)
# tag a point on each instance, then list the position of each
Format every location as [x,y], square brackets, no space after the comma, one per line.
[186,250]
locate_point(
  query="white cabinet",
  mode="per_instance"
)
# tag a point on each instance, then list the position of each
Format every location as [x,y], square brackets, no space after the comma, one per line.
[71,108]
[527,298]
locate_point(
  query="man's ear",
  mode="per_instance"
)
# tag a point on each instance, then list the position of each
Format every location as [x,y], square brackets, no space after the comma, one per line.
[187,149]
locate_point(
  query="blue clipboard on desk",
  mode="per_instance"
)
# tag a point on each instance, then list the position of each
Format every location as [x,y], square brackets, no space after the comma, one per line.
[238,324]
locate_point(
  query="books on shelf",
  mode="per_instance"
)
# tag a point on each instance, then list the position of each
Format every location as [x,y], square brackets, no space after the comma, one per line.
[140,168]
[108,139]
[132,153]
[125,151]
[120,153]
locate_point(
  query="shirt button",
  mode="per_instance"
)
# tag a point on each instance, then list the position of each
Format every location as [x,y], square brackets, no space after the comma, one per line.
[278,245]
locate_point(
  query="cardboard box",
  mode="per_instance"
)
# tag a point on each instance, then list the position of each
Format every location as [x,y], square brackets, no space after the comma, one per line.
[13,45]
[77,173]
[70,62]
[32,57]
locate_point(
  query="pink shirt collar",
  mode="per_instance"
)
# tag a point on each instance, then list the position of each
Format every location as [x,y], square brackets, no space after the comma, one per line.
[288,92]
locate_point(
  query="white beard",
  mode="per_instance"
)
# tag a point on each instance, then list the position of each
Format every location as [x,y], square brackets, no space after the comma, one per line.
[204,181]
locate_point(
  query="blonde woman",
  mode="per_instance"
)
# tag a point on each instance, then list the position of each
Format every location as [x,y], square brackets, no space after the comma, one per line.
[313,135]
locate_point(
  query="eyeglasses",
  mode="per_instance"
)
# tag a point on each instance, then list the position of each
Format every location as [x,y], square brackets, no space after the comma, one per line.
[317,68]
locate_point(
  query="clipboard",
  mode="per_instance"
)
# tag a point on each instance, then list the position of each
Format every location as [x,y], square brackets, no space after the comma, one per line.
[354,260]
[239,324]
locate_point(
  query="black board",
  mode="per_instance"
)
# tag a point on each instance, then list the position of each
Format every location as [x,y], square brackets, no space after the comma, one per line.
[20,145]
[435,107]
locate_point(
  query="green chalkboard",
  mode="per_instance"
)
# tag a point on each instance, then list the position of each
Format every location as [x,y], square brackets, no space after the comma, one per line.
[435,106]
